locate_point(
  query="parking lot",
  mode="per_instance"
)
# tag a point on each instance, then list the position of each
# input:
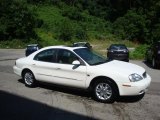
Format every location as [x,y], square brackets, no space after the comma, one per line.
[47,102]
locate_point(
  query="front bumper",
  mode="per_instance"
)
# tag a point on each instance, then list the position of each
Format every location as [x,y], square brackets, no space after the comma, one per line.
[119,56]
[135,88]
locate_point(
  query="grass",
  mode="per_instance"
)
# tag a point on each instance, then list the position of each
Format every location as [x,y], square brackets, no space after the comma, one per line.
[99,46]
[102,45]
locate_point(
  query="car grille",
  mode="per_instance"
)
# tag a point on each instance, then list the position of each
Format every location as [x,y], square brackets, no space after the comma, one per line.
[144,74]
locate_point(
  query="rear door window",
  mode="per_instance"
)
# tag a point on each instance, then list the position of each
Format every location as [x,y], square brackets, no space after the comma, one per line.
[46,56]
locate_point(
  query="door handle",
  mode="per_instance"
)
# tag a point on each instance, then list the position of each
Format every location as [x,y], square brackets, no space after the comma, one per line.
[34,64]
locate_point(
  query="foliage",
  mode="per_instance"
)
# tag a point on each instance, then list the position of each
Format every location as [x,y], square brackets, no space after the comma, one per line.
[139,52]
[72,13]
[16,20]
[52,22]
[131,26]
[137,20]
[65,30]
[16,43]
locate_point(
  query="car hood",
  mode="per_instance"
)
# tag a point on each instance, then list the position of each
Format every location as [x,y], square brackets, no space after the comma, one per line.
[121,67]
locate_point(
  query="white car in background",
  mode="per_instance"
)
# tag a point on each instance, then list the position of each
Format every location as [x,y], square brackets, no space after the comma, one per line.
[80,67]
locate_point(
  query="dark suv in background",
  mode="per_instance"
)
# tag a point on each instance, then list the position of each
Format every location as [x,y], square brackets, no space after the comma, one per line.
[118,52]
[153,55]
[32,48]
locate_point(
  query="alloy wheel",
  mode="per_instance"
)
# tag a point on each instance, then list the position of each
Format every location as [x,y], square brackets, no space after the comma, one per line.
[29,79]
[103,91]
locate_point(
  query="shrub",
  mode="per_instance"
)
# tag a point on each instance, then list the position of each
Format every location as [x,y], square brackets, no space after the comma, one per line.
[16,20]
[131,26]
[139,52]
[81,33]
[72,13]
[65,30]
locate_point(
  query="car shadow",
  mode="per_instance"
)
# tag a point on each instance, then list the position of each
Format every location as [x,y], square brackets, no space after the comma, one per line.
[130,99]
[84,94]
[16,107]
[147,64]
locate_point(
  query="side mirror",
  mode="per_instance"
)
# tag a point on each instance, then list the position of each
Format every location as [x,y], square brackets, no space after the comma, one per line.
[76,62]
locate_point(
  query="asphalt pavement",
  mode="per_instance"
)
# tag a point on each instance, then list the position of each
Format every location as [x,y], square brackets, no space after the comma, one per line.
[47,102]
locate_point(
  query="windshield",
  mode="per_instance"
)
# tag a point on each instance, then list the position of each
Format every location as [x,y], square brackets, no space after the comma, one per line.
[118,47]
[32,47]
[90,57]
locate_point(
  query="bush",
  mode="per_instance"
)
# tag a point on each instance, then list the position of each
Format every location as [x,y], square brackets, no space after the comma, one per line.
[139,52]
[17,20]
[131,26]
[65,30]
[81,33]
[72,13]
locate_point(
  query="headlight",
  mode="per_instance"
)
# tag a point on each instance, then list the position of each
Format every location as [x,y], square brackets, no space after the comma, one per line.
[111,51]
[135,77]
[125,51]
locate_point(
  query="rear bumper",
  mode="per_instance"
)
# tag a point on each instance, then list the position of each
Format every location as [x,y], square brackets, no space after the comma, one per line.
[135,88]
[17,70]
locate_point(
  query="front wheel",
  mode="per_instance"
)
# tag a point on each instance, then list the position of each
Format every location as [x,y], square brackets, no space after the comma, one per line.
[104,91]
[28,78]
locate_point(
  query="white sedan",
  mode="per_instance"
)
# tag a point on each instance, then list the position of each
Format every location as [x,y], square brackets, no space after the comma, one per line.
[80,67]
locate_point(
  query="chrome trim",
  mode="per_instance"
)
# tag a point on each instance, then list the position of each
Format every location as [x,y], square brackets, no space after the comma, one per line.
[67,78]
[60,77]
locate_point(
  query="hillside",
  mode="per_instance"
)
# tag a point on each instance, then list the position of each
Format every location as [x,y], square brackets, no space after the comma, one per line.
[59,25]
[70,20]
[52,22]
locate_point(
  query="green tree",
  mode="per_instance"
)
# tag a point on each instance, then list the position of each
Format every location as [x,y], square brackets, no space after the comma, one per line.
[132,26]
[65,30]
[16,20]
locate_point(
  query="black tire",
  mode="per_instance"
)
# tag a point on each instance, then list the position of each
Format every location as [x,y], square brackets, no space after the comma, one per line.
[104,91]
[28,78]
[154,65]
[127,60]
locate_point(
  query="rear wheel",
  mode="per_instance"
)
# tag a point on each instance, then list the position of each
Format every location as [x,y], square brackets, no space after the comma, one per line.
[28,78]
[103,91]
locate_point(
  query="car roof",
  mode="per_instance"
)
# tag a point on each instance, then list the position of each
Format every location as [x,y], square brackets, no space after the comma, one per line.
[32,45]
[62,47]
[80,42]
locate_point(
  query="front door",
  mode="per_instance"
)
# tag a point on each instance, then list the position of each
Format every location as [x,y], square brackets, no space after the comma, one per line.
[68,74]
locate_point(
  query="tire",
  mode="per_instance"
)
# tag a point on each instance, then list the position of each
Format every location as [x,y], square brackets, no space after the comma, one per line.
[154,63]
[127,60]
[146,57]
[29,78]
[104,91]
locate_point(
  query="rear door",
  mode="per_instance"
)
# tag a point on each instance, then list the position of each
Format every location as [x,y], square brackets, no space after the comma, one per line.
[44,65]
